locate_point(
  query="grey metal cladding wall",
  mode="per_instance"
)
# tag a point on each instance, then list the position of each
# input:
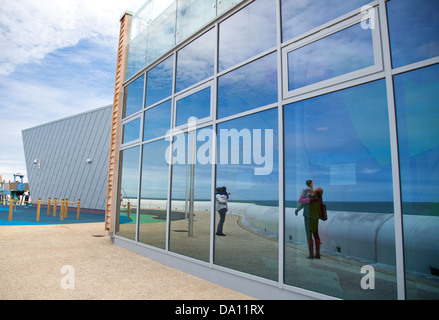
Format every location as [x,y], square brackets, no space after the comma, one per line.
[62,147]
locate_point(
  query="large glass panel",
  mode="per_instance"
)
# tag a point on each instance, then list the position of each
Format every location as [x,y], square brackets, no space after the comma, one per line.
[340,141]
[345,51]
[224,5]
[251,86]
[159,82]
[196,105]
[136,54]
[128,193]
[417,105]
[195,62]
[247,33]
[157,121]
[301,16]
[191,194]
[134,97]
[154,194]
[414,30]
[161,34]
[248,168]
[131,131]
[192,15]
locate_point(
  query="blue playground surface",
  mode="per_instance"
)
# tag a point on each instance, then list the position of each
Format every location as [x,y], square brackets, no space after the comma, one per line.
[26,216]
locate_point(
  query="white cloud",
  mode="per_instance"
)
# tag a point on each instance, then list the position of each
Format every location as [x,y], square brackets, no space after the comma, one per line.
[57,59]
[30,29]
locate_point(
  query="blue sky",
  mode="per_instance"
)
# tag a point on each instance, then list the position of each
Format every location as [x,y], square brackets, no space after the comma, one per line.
[57,59]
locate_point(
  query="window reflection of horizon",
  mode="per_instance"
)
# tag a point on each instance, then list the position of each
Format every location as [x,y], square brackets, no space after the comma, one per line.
[240,179]
[317,155]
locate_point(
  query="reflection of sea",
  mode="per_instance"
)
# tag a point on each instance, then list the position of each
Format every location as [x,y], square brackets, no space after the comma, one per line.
[409,208]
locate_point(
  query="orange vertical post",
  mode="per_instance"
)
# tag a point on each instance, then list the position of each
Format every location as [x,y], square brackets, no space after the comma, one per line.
[11,207]
[48,207]
[54,207]
[66,209]
[78,209]
[38,210]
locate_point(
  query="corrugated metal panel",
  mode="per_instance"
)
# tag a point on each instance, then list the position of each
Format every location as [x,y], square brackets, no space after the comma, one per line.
[63,147]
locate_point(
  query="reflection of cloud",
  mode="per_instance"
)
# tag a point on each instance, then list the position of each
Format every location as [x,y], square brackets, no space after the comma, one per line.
[257,22]
[196,61]
[345,51]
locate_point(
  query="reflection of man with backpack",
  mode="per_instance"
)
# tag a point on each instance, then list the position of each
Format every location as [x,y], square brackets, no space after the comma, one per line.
[221,205]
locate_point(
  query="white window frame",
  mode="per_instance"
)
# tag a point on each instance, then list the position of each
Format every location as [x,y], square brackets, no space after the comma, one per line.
[342,25]
[208,84]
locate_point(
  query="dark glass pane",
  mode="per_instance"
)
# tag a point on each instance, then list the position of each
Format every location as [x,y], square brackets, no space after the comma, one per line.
[301,16]
[128,193]
[417,105]
[157,121]
[154,194]
[196,105]
[414,30]
[247,33]
[248,168]
[345,51]
[134,97]
[195,62]
[341,142]
[159,82]
[251,86]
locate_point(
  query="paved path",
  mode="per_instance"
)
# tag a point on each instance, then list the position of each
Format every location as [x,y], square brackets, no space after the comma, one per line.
[32,258]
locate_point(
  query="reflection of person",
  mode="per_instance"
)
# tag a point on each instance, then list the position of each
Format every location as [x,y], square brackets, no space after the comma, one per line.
[221,205]
[306,193]
[311,215]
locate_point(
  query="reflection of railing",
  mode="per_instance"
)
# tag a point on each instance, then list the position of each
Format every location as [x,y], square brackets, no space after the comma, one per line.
[359,235]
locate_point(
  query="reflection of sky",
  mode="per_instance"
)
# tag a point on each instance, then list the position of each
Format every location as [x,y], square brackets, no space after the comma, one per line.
[240,179]
[131,131]
[300,16]
[134,97]
[155,170]
[159,82]
[196,105]
[341,142]
[414,30]
[247,33]
[157,121]
[417,105]
[251,86]
[192,14]
[130,172]
[195,62]
[202,172]
[345,51]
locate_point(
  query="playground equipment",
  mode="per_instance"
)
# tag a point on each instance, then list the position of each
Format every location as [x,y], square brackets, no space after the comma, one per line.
[16,189]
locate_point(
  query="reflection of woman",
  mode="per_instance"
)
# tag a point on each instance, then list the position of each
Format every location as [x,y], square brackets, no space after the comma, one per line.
[311,214]
[221,205]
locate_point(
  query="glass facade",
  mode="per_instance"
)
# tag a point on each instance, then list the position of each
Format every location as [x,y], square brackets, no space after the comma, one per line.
[257,112]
